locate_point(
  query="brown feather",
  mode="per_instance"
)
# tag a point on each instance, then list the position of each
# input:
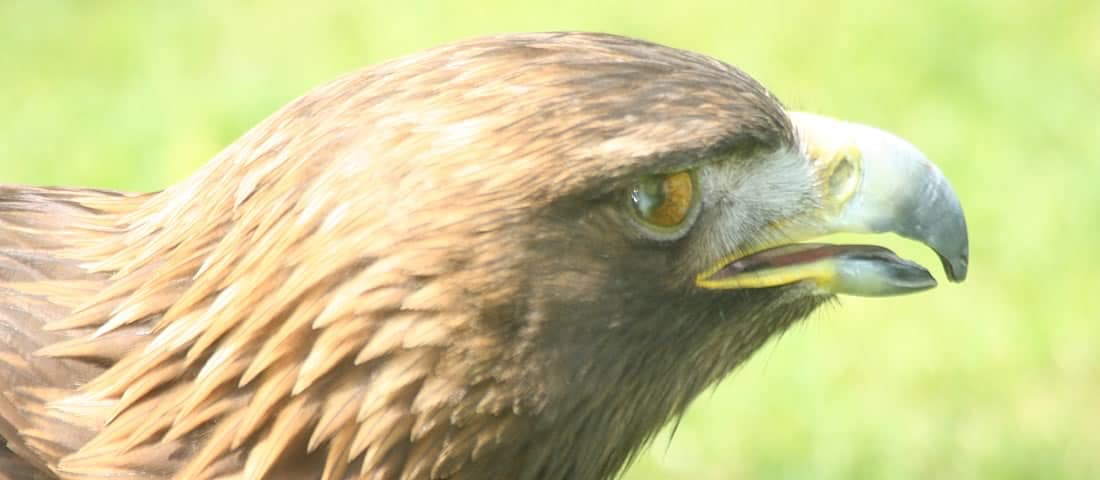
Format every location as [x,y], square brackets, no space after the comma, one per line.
[359,286]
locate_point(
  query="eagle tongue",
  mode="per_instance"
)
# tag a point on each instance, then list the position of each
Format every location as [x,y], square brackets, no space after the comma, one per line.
[798,253]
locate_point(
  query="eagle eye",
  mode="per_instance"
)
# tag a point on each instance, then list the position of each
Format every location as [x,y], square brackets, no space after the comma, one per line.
[664,202]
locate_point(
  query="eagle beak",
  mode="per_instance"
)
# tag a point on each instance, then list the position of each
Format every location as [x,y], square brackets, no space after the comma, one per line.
[870,181]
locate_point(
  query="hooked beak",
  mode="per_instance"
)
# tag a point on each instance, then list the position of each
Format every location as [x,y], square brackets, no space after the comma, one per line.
[870,181]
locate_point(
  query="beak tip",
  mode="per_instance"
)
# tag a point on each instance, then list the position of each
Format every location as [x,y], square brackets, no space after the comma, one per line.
[956,268]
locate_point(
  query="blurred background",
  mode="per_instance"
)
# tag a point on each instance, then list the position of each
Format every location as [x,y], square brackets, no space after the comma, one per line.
[996,378]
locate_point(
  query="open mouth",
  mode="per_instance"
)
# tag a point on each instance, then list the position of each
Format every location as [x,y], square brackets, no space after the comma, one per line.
[869,182]
[864,270]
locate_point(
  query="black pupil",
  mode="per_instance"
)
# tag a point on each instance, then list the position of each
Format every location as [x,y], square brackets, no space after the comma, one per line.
[648,195]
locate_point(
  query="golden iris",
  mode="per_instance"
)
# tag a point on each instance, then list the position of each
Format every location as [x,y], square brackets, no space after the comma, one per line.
[664,200]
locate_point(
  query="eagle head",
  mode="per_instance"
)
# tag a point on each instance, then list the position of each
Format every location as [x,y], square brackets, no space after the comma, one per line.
[510,257]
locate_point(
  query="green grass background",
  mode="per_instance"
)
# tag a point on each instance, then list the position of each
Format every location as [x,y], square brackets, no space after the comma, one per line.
[997,378]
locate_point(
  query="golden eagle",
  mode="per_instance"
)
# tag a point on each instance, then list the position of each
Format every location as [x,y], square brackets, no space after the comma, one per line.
[510,257]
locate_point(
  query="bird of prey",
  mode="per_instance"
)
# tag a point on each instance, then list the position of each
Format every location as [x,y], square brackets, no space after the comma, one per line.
[510,257]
